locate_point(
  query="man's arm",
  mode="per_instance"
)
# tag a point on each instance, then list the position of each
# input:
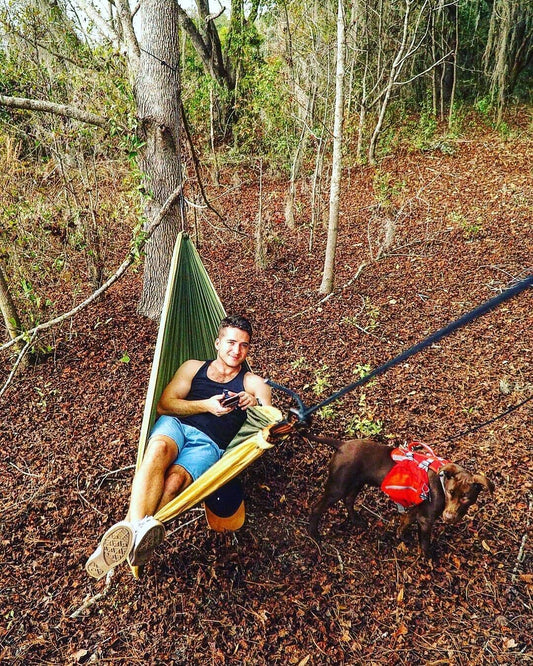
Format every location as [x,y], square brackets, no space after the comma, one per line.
[172,401]
[255,386]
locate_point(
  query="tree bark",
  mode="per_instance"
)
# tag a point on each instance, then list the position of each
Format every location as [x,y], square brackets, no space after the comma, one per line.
[207,46]
[9,311]
[51,107]
[157,94]
[329,263]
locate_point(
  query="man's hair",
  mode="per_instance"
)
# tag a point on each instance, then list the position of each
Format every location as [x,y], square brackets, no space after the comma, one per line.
[236,321]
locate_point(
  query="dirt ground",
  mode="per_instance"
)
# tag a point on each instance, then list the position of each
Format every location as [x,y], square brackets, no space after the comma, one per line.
[455,228]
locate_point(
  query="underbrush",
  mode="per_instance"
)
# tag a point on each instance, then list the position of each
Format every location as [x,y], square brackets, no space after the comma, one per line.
[63,226]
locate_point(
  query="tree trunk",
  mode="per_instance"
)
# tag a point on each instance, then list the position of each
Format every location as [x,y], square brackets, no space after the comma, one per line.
[455,55]
[157,94]
[9,311]
[336,166]
[509,48]
[299,154]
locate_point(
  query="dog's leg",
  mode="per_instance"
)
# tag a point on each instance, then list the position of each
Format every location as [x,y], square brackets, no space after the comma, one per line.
[406,519]
[324,503]
[425,527]
[349,502]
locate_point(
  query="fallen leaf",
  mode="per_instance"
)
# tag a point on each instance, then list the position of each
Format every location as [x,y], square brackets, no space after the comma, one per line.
[399,598]
[77,656]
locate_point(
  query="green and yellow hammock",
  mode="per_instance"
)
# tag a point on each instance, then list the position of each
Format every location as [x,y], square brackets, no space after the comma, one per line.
[188,328]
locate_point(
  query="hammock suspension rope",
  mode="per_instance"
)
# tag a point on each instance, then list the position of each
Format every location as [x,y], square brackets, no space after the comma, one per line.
[301,414]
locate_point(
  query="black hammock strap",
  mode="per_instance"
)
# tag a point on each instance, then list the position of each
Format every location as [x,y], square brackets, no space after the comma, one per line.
[303,413]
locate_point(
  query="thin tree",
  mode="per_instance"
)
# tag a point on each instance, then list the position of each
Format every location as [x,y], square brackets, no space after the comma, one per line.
[509,48]
[9,311]
[328,275]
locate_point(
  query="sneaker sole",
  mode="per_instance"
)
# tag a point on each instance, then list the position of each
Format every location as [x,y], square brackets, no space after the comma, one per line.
[142,551]
[114,548]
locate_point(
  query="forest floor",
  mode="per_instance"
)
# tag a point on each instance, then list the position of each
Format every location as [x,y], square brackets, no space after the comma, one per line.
[458,229]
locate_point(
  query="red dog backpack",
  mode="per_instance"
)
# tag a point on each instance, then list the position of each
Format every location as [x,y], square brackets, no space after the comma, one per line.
[407,483]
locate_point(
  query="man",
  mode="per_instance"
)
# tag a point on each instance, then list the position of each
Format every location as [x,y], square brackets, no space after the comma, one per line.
[190,435]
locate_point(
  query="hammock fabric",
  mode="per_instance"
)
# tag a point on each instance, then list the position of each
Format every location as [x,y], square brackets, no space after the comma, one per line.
[188,327]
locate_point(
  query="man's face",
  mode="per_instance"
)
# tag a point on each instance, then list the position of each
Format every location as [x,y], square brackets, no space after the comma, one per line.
[232,346]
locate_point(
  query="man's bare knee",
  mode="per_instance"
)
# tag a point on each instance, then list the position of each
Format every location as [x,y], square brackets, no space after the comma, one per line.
[160,450]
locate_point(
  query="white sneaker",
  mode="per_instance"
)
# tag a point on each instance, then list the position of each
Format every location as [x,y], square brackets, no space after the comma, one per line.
[149,533]
[114,548]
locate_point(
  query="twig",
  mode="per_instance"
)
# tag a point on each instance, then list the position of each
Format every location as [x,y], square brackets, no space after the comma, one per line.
[196,164]
[180,527]
[520,556]
[35,476]
[80,493]
[90,601]
[18,361]
[128,261]
[333,293]
[114,471]
[377,515]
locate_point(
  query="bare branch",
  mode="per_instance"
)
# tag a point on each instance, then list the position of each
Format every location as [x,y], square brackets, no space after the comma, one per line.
[215,15]
[91,600]
[428,69]
[101,24]
[51,107]
[18,362]
[132,45]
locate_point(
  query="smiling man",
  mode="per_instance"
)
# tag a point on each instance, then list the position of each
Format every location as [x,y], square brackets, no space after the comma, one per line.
[197,420]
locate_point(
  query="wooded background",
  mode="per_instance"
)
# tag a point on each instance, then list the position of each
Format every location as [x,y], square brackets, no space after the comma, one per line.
[92,105]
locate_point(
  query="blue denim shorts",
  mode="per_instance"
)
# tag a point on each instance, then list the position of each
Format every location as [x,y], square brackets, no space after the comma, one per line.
[196,451]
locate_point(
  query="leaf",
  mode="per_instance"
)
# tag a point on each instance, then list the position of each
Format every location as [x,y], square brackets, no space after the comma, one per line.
[304,660]
[77,656]
[486,546]
[402,630]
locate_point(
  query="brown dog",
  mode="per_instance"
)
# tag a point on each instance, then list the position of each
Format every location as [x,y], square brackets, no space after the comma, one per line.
[360,462]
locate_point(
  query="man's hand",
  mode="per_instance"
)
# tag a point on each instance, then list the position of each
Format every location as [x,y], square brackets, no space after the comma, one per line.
[214,405]
[247,400]
[219,409]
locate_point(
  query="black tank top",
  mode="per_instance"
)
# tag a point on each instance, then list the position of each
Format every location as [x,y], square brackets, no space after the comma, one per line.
[221,429]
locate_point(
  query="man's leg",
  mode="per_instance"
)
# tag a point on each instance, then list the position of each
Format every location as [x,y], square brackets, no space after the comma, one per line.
[149,481]
[140,533]
[147,491]
[177,479]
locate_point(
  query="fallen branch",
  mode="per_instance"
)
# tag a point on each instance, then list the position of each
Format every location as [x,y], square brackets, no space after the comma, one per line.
[113,471]
[520,557]
[20,357]
[90,601]
[132,255]
[51,107]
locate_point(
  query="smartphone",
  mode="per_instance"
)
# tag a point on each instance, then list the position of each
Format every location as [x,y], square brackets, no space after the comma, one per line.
[230,400]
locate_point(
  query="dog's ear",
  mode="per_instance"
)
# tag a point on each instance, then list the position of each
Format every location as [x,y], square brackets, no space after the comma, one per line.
[450,469]
[481,480]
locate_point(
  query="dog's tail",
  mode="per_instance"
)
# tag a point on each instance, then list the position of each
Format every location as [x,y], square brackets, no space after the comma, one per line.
[330,441]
